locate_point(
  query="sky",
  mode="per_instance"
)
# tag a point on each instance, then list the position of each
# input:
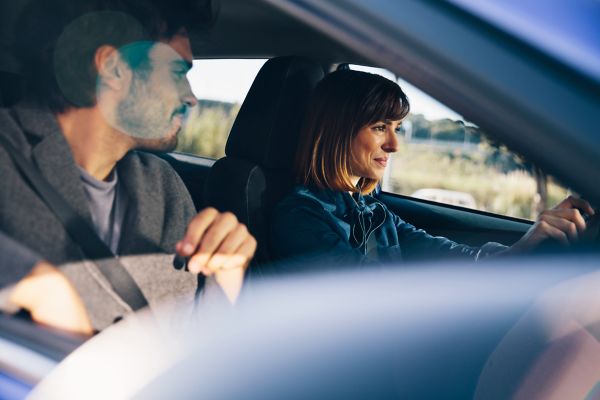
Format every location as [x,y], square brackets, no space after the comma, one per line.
[420,103]
[223,80]
[230,80]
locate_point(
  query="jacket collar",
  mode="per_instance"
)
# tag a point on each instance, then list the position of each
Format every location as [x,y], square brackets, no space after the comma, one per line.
[137,235]
[52,154]
[340,204]
[362,214]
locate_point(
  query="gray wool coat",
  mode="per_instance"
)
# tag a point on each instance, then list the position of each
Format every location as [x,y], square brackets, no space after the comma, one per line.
[159,208]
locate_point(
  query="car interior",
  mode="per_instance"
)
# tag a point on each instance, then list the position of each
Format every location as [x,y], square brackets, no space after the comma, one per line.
[256,171]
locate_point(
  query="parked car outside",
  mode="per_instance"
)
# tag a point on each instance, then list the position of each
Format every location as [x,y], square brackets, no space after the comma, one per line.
[446,196]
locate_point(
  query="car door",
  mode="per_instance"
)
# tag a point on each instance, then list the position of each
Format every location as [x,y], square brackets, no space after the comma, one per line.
[457,223]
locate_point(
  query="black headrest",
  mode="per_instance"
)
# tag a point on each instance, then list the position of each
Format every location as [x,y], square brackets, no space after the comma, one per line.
[267,126]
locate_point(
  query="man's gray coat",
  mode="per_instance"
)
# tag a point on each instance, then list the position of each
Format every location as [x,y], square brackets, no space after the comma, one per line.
[159,208]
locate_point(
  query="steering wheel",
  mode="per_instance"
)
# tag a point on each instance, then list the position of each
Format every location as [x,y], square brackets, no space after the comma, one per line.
[592,234]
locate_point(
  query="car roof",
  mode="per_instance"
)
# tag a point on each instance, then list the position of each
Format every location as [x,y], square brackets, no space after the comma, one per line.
[264,31]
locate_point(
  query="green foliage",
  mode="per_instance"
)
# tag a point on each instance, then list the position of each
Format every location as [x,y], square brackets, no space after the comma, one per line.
[495,189]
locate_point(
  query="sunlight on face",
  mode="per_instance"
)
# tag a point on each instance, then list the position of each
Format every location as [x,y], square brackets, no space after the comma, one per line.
[154,102]
[371,149]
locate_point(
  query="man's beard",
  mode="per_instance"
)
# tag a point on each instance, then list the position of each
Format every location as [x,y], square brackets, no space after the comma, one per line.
[165,144]
[143,116]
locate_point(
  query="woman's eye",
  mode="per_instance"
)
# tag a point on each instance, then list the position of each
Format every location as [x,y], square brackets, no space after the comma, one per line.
[379,128]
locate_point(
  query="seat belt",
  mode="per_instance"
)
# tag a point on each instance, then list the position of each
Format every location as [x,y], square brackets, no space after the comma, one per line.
[80,231]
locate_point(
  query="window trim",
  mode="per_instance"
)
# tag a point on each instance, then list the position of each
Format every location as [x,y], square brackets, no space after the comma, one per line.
[457,207]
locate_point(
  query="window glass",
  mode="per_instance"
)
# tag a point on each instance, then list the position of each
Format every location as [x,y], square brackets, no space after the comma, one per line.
[444,158]
[220,86]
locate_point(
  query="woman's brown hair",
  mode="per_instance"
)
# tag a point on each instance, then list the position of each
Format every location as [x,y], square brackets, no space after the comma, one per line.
[342,104]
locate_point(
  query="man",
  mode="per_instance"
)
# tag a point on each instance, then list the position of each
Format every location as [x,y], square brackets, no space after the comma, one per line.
[101,84]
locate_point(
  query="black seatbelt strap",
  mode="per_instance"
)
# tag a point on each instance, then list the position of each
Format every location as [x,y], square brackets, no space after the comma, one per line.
[80,231]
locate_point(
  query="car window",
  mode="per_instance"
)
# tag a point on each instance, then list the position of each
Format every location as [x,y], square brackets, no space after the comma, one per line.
[220,86]
[444,158]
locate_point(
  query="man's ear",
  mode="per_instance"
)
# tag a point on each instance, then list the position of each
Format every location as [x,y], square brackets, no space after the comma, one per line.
[113,72]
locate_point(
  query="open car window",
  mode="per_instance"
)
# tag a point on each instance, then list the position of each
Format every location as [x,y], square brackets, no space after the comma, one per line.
[220,86]
[445,158]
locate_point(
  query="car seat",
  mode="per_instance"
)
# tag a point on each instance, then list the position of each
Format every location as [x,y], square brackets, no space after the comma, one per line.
[257,169]
[10,88]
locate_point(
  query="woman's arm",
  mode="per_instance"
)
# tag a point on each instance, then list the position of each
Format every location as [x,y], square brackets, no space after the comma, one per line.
[563,223]
[417,244]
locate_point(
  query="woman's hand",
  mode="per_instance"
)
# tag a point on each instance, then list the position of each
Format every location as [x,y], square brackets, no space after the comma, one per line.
[51,300]
[563,223]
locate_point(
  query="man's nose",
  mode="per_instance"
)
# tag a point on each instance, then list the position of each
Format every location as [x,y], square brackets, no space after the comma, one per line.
[187,97]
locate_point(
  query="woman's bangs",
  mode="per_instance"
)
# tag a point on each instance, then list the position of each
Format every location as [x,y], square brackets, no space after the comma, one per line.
[391,105]
[396,106]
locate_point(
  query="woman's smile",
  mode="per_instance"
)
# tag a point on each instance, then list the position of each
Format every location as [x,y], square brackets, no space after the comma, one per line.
[382,161]
[371,149]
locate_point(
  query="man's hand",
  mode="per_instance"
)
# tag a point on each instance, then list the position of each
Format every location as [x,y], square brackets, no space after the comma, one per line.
[51,300]
[217,243]
[563,223]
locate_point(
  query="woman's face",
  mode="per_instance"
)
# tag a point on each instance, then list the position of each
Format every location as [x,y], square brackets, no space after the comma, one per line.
[371,149]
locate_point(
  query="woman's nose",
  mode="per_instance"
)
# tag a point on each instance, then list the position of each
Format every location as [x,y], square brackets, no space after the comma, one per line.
[391,143]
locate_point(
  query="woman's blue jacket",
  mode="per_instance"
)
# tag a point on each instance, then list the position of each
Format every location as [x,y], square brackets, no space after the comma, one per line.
[314,227]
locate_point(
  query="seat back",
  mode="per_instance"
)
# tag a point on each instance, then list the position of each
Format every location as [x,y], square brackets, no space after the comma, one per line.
[257,169]
[10,88]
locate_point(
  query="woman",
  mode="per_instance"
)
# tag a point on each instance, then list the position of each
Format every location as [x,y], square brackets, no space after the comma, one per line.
[348,136]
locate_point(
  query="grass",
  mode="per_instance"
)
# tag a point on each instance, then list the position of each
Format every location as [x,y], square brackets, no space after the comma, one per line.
[206,131]
[509,193]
